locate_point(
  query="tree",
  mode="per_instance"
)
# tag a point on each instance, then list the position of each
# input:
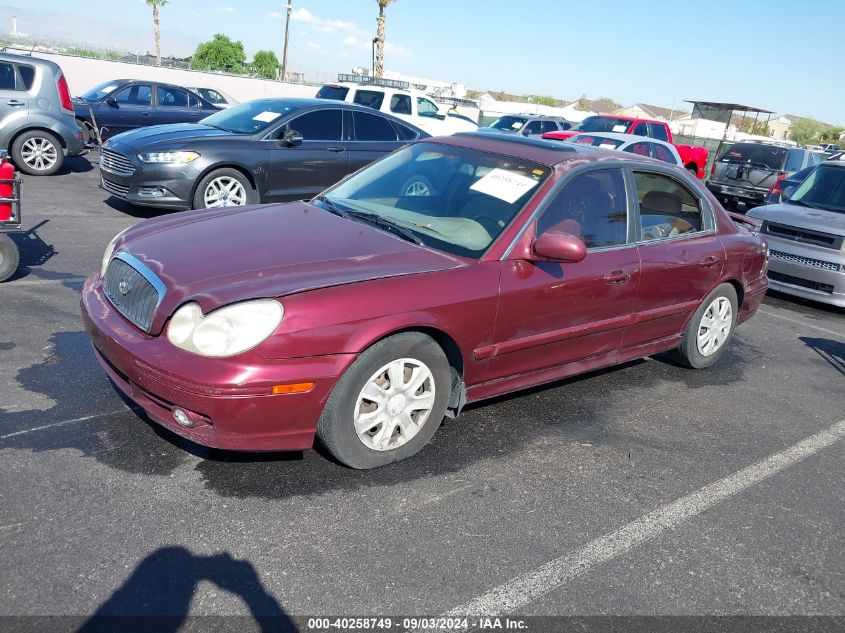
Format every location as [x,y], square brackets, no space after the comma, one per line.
[380,23]
[610,103]
[221,53]
[584,104]
[806,131]
[541,100]
[265,64]
[155,4]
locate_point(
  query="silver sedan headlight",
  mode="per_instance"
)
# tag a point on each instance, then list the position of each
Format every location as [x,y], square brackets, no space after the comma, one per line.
[226,331]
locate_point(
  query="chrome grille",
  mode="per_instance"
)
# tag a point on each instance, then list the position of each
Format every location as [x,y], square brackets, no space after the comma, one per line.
[113,188]
[806,261]
[116,163]
[133,289]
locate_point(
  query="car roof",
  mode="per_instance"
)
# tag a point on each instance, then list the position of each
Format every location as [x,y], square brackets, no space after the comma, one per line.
[548,153]
[28,59]
[616,136]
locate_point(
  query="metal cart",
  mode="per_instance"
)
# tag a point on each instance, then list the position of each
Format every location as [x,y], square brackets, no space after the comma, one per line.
[9,253]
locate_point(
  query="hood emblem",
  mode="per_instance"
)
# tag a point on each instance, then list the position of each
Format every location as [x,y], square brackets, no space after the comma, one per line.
[123,287]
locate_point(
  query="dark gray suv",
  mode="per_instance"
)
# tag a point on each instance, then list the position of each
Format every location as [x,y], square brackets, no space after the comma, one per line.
[530,124]
[746,171]
[37,123]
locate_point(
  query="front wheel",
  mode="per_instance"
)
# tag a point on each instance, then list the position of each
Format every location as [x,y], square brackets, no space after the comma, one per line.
[711,327]
[388,404]
[224,188]
[38,153]
[9,257]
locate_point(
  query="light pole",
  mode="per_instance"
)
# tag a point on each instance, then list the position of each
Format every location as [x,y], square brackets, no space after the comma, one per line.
[289,6]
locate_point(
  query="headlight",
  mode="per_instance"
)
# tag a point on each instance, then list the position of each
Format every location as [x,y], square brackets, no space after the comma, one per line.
[177,158]
[227,331]
[109,252]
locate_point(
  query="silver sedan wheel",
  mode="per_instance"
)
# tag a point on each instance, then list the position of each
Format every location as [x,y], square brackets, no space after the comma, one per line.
[39,154]
[224,191]
[715,326]
[394,404]
[417,188]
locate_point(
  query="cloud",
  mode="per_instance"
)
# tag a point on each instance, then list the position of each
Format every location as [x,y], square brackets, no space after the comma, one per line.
[313,46]
[396,49]
[226,9]
[275,15]
[389,47]
[324,26]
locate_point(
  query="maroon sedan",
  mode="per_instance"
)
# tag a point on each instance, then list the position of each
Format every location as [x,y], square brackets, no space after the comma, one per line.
[368,314]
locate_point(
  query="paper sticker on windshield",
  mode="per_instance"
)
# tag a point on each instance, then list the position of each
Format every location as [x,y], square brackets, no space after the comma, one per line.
[620,128]
[266,117]
[504,185]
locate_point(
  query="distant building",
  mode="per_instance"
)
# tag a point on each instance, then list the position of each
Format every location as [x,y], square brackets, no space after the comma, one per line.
[647,111]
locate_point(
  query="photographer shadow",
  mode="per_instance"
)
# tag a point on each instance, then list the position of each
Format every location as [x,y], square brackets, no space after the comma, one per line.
[158,594]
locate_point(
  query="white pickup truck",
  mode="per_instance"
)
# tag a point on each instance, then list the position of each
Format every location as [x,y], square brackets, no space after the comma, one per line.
[410,105]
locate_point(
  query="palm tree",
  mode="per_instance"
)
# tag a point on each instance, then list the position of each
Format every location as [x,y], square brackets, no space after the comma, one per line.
[379,69]
[155,4]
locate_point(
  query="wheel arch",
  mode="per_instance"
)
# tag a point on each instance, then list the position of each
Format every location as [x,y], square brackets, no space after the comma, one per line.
[36,128]
[247,173]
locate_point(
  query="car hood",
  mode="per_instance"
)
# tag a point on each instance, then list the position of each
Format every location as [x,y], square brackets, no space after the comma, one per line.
[166,136]
[802,217]
[218,257]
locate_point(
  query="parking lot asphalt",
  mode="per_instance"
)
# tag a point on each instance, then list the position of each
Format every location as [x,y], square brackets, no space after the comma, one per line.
[644,489]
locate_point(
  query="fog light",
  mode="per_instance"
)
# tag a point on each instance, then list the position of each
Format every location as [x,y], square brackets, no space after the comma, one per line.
[182,418]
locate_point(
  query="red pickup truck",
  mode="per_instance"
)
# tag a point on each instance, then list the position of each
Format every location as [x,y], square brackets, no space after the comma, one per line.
[694,158]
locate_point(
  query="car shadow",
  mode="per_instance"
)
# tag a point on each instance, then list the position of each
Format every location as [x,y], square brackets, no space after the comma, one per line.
[104,426]
[157,595]
[134,211]
[75,165]
[831,351]
[34,251]
[794,303]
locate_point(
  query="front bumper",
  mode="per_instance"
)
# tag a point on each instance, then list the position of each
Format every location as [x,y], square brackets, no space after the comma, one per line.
[229,400]
[160,186]
[807,271]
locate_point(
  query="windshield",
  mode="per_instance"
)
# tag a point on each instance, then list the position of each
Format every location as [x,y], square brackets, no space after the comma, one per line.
[509,123]
[770,157]
[604,124]
[98,92]
[823,189]
[250,117]
[453,199]
[595,141]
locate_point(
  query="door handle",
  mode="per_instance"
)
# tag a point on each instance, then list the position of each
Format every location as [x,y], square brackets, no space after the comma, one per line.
[617,277]
[709,261]
[15,102]
[145,114]
[336,150]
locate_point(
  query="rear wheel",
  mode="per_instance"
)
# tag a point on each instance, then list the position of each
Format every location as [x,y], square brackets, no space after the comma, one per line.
[9,257]
[38,153]
[711,327]
[224,188]
[388,404]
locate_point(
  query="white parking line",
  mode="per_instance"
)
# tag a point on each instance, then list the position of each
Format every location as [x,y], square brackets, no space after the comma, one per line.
[801,322]
[504,599]
[65,422]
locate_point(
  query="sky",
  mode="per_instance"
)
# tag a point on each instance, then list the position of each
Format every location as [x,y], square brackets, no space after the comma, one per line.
[765,53]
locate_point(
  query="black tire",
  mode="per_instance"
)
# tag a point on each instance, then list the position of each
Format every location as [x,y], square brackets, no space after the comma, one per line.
[336,429]
[688,354]
[693,170]
[9,257]
[198,201]
[417,185]
[40,137]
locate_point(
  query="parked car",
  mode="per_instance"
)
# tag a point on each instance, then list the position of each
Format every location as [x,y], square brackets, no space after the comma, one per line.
[746,171]
[215,97]
[694,158]
[365,315]
[529,125]
[412,106]
[806,235]
[632,144]
[830,148]
[126,104]
[37,125]
[785,186]
[268,150]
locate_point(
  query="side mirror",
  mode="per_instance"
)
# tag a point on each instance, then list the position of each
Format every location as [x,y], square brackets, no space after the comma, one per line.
[112,102]
[788,192]
[557,246]
[291,138]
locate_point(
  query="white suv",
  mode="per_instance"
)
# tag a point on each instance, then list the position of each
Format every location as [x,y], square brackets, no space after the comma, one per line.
[395,98]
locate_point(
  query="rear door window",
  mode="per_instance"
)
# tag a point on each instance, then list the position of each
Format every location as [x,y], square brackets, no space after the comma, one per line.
[662,153]
[535,127]
[795,160]
[658,131]
[641,129]
[27,76]
[7,76]
[641,149]
[371,127]
[401,104]
[667,208]
[172,97]
[405,133]
[370,98]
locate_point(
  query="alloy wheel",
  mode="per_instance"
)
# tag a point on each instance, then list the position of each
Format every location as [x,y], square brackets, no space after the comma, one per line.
[224,191]
[715,326]
[39,154]
[394,404]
